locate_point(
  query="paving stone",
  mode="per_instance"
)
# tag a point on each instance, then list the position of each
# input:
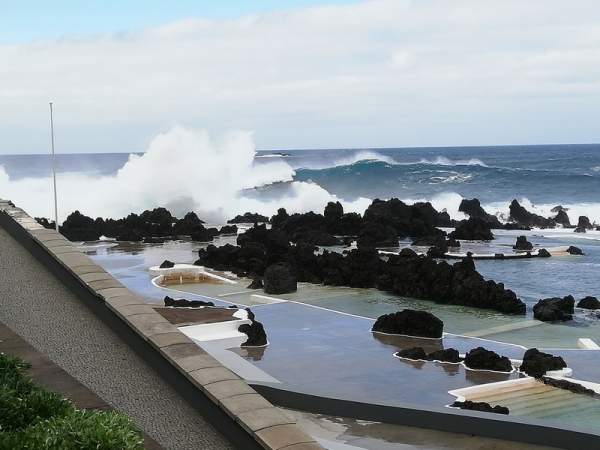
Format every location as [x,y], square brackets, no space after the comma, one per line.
[73,260]
[87,268]
[192,363]
[124,300]
[96,276]
[105,284]
[166,339]
[258,419]
[223,389]
[57,242]
[149,324]
[132,310]
[178,351]
[212,375]
[113,292]
[283,436]
[239,404]
[64,250]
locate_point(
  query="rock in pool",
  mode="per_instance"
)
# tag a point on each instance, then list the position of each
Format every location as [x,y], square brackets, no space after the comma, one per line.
[523,244]
[446,355]
[572,250]
[166,264]
[554,309]
[183,303]
[256,284]
[480,406]
[255,332]
[410,323]
[589,303]
[412,353]
[536,363]
[482,359]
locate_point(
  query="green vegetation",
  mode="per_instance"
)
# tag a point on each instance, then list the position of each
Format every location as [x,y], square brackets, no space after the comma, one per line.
[33,418]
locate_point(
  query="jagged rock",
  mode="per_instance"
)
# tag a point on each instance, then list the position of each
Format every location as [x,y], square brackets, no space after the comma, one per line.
[473,209]
[536,363]
[451,242]
[523,244]
[407,253]
[78,227]
[410,323]
[445,355]
[249,218]
[187,226]
[256,284]
[473,229]
[580,230]
[589,303]
[482,359]
[584,223]
[279,279]
[183,303]
[543,253]
[523,217]
[554,309]
[166,264]
[480,406]
[255,331]
[228,229]
[412,353]
[562,218]
[204,234]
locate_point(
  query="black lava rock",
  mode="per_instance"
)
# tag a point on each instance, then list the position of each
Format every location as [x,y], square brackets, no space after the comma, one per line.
[543,253]
[78,227]
[523,217]
[480,406]
[589,303]
[412,353]
[411,323]
[228,229]
[572,250]
[166,264]
[554,309]
[473,209]
[255,332]
[279,279]
[576,388]
[482,359]
[183,303]
[536,363]
[445,355]
[523,244]
[249,218]
[474,229]
[562,218]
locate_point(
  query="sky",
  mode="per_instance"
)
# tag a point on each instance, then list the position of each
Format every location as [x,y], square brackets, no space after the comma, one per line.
[299,74]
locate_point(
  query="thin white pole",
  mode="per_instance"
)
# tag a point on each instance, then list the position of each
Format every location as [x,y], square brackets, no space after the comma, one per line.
[53,168]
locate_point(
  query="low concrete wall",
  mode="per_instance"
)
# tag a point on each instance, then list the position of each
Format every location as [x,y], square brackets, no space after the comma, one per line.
[245,417]
[443,419]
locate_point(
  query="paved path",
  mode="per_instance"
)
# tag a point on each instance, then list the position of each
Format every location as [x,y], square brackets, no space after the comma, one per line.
[38,307]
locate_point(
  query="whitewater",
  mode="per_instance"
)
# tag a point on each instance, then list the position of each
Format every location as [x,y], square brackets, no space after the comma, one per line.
[187,169]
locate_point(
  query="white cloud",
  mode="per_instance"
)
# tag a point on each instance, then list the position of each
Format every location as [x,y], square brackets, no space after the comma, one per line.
[377,73]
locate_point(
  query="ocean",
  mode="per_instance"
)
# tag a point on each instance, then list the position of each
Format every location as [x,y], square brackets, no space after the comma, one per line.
[541,177]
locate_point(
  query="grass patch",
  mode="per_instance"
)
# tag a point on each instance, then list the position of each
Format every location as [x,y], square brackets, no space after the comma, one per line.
[34,418]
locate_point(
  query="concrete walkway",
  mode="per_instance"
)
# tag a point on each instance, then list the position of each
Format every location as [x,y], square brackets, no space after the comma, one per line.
[39,308]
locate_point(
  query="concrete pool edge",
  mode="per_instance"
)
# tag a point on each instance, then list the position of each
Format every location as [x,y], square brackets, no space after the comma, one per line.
[243,416]
[517,429]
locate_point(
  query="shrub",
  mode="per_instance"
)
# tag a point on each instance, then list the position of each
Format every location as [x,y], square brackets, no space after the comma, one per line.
[79,430]
[33,418]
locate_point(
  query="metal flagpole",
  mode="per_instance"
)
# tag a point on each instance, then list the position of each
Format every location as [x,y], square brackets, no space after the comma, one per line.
[53,168]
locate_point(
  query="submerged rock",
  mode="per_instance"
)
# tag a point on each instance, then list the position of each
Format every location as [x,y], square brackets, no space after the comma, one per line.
[256,284]
[554,309]
[410,323]
[523,244]
[576,388]
[480,406]
[166,264]
[279,279]
[536,363]
[482,359]
[589,303]
[183,303]
[474,229]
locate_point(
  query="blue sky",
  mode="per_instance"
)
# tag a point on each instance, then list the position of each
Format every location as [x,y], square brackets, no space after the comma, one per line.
[28,20]
[300,73]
